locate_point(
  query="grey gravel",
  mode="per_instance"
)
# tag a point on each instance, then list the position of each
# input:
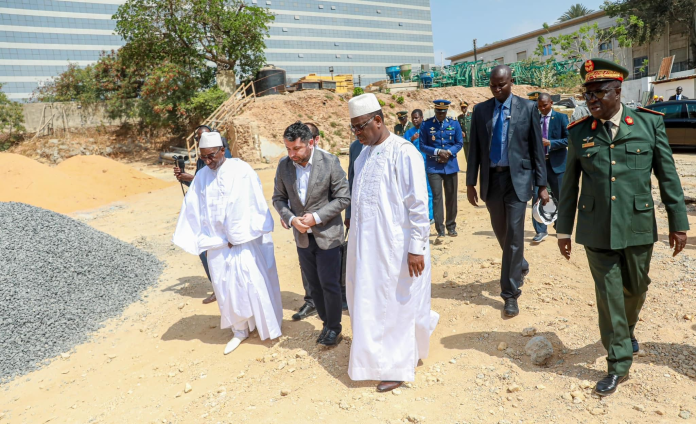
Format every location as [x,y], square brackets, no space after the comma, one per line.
[59,281]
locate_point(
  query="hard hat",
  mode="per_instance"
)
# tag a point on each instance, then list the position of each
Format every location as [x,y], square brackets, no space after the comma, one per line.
[545,214]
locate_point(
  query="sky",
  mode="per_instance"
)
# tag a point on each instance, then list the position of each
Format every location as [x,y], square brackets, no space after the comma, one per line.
[457,22]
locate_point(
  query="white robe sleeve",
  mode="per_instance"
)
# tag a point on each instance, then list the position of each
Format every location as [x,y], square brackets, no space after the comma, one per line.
[412,183]
[188,227]
[247,216]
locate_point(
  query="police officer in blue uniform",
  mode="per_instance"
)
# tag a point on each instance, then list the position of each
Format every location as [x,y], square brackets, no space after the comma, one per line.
[440,140]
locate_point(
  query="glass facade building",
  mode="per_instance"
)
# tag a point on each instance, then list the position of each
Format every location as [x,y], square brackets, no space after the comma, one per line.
[38,38]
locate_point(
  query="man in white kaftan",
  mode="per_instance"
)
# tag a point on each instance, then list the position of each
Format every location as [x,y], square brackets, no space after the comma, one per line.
[225,213]
[388,263]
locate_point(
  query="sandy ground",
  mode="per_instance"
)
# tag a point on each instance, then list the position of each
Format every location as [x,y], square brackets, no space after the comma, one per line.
[135,370]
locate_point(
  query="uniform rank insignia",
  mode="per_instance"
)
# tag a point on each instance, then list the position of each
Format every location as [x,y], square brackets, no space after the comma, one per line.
[433,138]
[629,120]
[586,145]
[594,125]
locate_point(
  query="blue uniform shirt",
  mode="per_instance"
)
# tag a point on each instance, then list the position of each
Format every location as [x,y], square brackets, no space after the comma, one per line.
[506,125]
[436,135]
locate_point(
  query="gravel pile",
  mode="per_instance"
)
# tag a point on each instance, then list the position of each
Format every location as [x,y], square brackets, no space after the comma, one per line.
[59,280]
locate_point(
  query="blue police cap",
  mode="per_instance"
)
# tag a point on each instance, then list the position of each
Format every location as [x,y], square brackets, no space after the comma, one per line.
[442,104]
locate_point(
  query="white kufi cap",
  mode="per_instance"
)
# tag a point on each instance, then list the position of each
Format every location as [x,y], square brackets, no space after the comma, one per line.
[210,139]
[363,104]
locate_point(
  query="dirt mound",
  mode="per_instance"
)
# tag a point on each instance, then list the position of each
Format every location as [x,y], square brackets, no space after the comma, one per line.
[81,182]
[269,116]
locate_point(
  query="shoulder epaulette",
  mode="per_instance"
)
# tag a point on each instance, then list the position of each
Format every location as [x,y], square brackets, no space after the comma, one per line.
[654,112]
[574,123]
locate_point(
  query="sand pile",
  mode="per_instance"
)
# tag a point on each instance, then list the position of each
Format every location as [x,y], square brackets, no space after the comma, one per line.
[81,182]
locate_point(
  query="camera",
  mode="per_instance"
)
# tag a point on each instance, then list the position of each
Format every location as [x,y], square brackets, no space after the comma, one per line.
[180,161]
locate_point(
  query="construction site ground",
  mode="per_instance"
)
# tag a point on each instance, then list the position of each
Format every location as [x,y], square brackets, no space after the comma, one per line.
[162,361]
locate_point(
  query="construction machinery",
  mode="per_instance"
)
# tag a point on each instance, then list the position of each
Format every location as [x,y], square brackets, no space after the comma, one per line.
[339,84]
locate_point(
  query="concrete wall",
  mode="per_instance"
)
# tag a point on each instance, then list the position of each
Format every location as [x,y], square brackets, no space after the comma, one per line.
[75,117]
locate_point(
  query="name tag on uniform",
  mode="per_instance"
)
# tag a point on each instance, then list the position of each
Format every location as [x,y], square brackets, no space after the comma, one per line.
[586,145]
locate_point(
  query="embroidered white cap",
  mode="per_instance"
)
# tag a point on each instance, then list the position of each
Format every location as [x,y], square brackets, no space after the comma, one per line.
[210,139]
[363,104]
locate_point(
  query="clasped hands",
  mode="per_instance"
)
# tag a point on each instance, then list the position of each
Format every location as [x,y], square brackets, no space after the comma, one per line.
[304,223]
[443,155]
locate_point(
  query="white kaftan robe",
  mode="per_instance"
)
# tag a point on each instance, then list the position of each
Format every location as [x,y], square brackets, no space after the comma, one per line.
[227,205]
[389,310]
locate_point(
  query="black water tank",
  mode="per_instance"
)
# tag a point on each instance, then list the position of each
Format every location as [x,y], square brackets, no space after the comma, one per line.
[269,80]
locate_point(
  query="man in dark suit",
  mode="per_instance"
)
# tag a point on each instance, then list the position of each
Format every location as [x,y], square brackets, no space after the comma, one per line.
[507,154]
[679,95]
[310,192]
[554,135]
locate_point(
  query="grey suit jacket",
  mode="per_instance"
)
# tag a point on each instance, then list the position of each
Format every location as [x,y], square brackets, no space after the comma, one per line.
[525,147]
[327,196]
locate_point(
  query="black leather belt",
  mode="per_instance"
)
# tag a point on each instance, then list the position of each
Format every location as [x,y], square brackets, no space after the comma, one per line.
[500,169]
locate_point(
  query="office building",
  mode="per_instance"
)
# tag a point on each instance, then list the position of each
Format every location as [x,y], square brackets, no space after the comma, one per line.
[38,38]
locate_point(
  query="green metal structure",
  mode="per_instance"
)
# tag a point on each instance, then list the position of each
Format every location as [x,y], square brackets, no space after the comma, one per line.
[476,74]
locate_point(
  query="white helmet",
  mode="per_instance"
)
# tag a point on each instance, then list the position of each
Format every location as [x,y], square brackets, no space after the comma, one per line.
[545,214]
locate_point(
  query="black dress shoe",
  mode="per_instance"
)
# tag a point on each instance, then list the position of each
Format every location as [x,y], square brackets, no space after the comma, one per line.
[388,386]
[331,338]
[511,309]
[305,311]
[452,233]
[608,384]
[441,234]
[635,345]
[322,334]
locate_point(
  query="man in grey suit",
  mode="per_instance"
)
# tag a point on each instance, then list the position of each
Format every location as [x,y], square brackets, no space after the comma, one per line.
[310,192]
[507,154]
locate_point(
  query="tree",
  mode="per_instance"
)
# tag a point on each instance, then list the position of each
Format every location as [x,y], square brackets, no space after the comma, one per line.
[11,120]
[575,11]
[590,41]
[648,20]
[229,33]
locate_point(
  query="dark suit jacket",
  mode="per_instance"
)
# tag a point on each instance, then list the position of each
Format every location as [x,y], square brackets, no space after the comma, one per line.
[675,97]
[327,195]
[353,153]
[558,136]
[525,148]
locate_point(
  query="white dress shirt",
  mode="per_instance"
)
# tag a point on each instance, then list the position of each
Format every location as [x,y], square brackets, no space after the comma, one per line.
[303,173]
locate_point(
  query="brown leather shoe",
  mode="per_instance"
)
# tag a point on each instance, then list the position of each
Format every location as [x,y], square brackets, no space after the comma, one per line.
[388,386]
[210,299]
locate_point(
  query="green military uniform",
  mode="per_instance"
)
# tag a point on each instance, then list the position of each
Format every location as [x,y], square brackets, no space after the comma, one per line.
[465,122]
[400,129]
[616,216]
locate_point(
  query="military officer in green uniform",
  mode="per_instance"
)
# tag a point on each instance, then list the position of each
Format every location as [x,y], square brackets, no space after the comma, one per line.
[465,122]
[403,125]
[615,150]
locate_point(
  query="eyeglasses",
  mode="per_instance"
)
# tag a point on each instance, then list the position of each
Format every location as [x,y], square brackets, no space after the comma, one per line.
[599,94]
[359,128]
[211,156]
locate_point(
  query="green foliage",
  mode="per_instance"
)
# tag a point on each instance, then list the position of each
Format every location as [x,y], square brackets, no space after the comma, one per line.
[333,124]
[229,33]
[648,20]
[338,133]
[387,90]
[357,91]
[392,105]
[400,100]
[381,102]
[584,43]
[321,133]
[202,104]
[393,96]
[328,96]
[575,11]
[11,120]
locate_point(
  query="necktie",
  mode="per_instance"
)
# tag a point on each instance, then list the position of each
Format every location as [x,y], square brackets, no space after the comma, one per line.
[545,131]
[497,140]
[608,125]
